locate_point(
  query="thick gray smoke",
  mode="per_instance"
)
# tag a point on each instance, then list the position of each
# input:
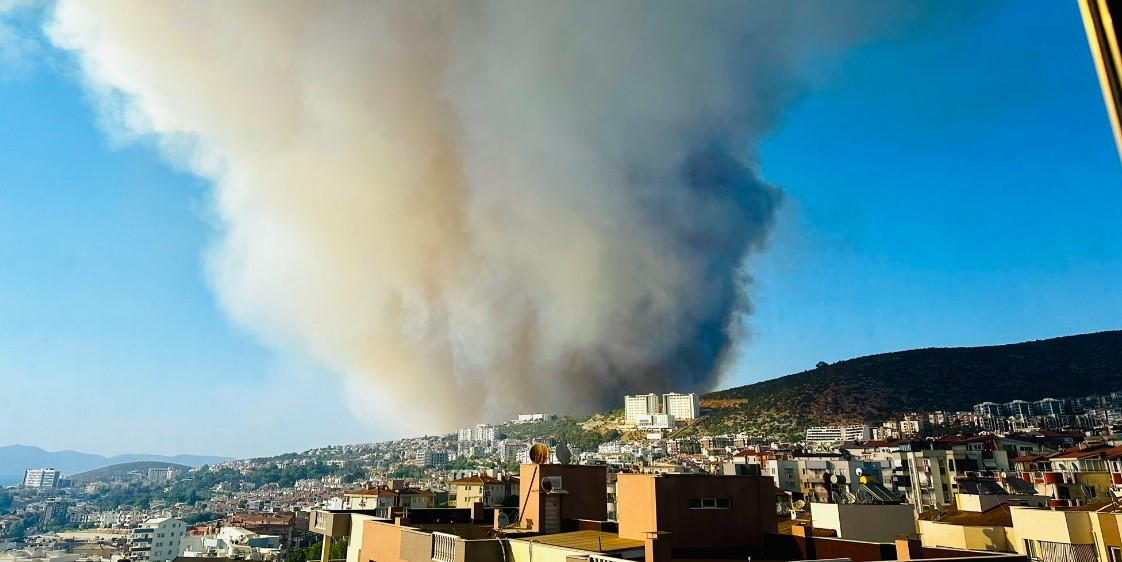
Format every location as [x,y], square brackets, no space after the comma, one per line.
[471,208]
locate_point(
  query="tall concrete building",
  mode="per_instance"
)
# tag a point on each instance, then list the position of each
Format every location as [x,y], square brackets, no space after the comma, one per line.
[157,540]
[989,409]
[681,406]
[41,477]
[640,405]
[1018,408]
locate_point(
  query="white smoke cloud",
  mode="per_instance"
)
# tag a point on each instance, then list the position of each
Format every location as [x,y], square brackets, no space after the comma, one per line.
[471,208]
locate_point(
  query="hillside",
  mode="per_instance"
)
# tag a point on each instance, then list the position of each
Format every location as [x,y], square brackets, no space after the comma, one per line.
[107,473]
[878,386]
[14,459]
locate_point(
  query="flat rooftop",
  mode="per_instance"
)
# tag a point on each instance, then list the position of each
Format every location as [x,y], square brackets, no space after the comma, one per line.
[593,541]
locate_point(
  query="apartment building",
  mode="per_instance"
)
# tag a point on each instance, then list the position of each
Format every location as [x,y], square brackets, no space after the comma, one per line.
[484,489]
[839,434]
[157,540]
[925,471]
[1076,476]
[161,474]
[41,477]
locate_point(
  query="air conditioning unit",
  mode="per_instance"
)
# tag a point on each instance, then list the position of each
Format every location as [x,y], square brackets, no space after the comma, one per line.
[552,484]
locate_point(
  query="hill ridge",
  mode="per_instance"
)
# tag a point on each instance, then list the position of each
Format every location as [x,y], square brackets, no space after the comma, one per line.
[873,387]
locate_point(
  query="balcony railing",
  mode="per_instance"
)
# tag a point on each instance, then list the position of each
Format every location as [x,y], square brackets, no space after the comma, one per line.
[444,547]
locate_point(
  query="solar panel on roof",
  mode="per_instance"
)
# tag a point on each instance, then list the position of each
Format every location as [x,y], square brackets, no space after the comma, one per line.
[876,493]
[1019,486]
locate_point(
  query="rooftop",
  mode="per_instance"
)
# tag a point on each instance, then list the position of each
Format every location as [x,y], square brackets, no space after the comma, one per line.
[593,541]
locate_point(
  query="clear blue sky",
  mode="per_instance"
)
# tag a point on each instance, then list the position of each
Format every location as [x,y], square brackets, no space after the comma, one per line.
[956,188]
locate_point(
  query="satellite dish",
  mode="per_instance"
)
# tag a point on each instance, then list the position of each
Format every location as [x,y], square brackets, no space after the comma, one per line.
[547,485]
[800,504]
[539,453]
[858,471]
[504,520]
[564,455]
[863,480]
[1004,475]
[837,479]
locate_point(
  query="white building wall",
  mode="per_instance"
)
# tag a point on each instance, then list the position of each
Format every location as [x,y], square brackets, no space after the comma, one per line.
[681,406]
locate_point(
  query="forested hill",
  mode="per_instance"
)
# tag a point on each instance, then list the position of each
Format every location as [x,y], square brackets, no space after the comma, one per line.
[123,470]
[878,386]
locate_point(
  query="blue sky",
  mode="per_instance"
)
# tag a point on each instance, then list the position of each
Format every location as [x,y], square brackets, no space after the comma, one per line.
[960,187]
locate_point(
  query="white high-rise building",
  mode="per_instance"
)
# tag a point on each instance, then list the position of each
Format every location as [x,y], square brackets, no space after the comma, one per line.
[157,540]
[681,406]
[483,432]
[161,473]
[839,434]
[640,405]
[41,477]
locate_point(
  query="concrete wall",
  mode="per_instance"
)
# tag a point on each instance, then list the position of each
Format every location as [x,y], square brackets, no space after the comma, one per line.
[520,551]
[415,546]
[354,544]
[860,522]
[662,503]
[1070,527]
[477,550]
[1108,528]
[381,542]
[587,496]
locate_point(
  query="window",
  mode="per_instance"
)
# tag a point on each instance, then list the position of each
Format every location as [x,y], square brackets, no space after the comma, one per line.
[710,503]
[1115,554]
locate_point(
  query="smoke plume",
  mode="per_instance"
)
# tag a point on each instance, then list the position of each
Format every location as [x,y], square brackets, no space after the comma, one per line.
[471,208]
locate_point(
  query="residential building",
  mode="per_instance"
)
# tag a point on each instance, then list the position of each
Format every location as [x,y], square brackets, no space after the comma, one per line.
[989,409]
[161,474]
[1050,407]
[640,405]
[1076,476]
[925,471]
[1018,408]
[157,540]
[56,510]
[432,458]
[394,494]
[41,477]
[527,418]
[839,434]
[681,406]
[485,489]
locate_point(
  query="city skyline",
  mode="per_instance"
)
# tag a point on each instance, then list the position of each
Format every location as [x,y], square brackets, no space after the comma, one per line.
[954,186]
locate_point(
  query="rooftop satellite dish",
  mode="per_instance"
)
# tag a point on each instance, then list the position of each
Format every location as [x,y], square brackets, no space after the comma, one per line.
[858,471]
[504,520]
[800,504]
[564,455]
[1004,475]
[539,453]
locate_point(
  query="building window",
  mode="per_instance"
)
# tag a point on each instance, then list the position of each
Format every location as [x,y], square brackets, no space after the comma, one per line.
[1115,554]
[710,503]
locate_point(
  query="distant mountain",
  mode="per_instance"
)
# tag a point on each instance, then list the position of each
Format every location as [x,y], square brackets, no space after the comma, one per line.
[112,471]
[14,459]
[873,388]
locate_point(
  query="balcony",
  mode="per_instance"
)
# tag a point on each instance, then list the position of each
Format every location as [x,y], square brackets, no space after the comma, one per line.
[444,547]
